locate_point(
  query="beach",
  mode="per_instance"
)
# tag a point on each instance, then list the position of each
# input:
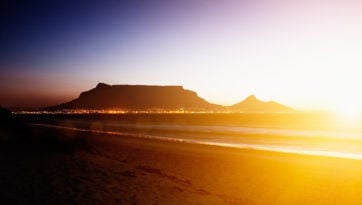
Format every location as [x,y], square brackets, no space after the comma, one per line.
[126,170]
[195,102]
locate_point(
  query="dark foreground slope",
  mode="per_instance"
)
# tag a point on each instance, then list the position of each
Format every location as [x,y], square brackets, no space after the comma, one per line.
[138,97]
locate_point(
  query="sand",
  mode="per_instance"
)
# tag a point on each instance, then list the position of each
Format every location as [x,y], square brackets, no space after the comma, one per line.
[126,170]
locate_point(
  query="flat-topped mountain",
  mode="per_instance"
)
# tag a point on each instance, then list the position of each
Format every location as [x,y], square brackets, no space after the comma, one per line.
[138,97]
[252,104]
[153,98]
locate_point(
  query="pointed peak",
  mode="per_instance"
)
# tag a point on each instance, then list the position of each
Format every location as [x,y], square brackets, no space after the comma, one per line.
[102,85]
[251,98]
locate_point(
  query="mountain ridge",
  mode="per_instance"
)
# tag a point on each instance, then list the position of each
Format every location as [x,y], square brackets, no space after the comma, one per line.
[252,104]
[159,97]
[138,97]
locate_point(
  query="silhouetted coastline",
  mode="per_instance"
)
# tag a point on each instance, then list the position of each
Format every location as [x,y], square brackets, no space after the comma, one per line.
[158,99]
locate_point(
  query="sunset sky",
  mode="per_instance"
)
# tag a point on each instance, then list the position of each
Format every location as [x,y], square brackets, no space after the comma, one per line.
[305,54]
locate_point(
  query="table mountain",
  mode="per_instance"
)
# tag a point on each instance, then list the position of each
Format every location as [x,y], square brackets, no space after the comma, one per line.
[138,97]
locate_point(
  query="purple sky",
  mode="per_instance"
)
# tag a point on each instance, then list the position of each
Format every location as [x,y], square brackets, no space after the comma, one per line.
[306,54]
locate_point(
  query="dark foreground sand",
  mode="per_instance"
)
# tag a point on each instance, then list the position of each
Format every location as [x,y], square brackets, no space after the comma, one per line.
[124,170]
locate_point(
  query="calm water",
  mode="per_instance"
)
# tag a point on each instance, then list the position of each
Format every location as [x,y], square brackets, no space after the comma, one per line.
[293,133]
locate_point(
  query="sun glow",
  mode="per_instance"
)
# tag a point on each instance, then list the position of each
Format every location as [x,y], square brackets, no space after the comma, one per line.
[349,116]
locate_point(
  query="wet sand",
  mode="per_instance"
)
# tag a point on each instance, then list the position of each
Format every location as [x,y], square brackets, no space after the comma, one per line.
[125,170]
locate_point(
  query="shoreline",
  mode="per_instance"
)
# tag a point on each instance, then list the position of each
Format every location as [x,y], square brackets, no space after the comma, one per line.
[248,146]
[128,170]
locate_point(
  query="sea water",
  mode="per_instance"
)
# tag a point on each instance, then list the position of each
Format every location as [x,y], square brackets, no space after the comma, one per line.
[250,132]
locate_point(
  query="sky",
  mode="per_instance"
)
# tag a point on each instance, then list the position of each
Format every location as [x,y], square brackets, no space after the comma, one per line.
[305,54]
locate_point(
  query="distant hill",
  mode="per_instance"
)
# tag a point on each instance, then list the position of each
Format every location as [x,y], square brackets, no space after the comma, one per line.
[252,104]
[138,97]
[153,98]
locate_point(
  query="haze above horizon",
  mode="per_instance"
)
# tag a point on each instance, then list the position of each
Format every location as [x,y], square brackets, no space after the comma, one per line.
[303,54]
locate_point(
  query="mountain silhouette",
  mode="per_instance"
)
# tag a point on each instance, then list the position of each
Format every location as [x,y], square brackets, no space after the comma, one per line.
[252,104]
[154,97]
[138,97]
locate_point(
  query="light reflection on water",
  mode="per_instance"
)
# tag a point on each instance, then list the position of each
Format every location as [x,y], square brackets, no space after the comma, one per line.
[248,130]
[210,135]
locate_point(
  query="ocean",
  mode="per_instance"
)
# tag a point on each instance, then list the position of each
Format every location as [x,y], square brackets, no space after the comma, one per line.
[307,134]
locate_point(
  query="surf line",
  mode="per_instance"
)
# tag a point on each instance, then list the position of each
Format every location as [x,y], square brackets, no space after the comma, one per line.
[272,148]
